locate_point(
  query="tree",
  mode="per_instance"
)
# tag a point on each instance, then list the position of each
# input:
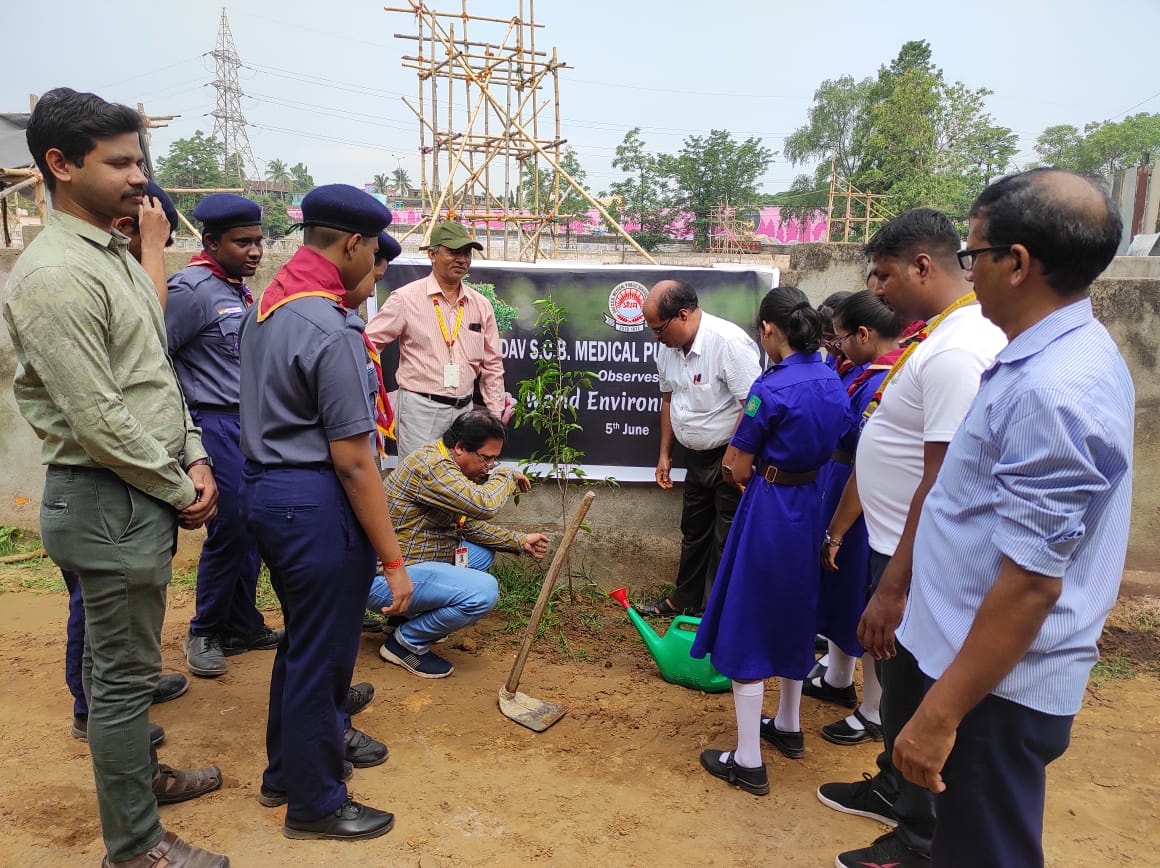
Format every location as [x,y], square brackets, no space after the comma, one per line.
[278,175]
[402,182]
[645,196]
[907,134]
[275,220]
[381,184]
[712,170]
[539,189]
[192,162]
[1104,148]
[300,179]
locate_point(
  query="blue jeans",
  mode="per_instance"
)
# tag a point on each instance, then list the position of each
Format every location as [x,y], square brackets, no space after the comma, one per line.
[446,598]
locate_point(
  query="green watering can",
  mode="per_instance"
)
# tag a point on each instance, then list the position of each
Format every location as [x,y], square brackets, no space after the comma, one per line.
[671,651]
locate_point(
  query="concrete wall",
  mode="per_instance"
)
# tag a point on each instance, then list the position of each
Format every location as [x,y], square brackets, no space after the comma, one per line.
[636,533]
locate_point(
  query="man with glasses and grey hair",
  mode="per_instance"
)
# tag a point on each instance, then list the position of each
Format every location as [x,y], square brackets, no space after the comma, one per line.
[706,367]
[447,338]
[442,498]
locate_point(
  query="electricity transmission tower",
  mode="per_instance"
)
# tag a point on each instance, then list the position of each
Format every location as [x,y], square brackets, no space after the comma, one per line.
[229,124]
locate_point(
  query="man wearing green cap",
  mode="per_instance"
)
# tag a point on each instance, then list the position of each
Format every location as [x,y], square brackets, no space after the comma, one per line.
[447,340]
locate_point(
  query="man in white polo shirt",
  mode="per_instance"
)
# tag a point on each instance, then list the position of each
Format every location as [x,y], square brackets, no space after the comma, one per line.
[706,368]
[923,400]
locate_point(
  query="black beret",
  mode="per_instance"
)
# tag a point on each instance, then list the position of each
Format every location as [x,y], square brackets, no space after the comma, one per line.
[345,208]
[155,192]
[222,211]
[389,248]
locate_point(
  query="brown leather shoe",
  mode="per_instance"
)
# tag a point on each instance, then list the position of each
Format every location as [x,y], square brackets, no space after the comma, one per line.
[171,852]
[171,785]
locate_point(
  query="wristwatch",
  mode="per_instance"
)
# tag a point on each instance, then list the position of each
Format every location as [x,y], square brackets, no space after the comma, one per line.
[200,461]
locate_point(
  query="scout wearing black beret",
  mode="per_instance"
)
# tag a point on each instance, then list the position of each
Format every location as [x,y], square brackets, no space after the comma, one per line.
[389,248]
[223,211]
[345,208]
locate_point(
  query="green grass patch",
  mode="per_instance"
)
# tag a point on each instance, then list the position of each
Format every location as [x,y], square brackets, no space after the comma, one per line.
[265,599]
[1116,666]
[14,541]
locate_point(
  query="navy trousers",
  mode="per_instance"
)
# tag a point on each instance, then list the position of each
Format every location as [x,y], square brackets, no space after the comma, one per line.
[227,572]
[991,812]
[74,649]
[321,564]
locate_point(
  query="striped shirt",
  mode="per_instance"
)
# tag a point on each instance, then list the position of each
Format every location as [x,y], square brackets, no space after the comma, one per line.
[428,496]
[1041,472]
[409,317]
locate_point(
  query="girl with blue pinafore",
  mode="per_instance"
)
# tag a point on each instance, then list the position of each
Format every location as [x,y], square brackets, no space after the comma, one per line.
[867,332]
[761,614]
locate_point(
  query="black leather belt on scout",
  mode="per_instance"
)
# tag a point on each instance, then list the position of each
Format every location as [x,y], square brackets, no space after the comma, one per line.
[784,477]
[223,409]
[457,403]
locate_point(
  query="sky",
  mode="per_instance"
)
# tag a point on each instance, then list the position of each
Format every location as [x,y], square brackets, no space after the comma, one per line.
[324,81]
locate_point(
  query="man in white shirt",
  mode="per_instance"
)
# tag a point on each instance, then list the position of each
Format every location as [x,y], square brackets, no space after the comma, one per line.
[924,399]
[706,368]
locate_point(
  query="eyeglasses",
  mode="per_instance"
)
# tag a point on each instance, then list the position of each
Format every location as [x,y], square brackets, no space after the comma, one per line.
[838,340]
[967,257]
[488,460]
[659,330]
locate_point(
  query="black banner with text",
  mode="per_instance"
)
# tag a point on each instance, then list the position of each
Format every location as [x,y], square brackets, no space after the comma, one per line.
[605,334]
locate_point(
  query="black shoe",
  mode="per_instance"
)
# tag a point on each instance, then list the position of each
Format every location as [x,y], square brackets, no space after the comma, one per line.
[351,822]
[268,797]
[169,687]
[267,640]
[792,744]
[841,732]
[864,798]
[80,731]
[751,780]
[820,688]
[204,656]
[358,697]
[886,850]
[362,751]
[372,623]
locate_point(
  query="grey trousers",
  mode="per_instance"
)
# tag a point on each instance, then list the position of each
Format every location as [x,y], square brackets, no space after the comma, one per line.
[421,421]
[120,542]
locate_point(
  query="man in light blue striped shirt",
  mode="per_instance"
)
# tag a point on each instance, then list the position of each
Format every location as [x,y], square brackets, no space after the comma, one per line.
[1020,545]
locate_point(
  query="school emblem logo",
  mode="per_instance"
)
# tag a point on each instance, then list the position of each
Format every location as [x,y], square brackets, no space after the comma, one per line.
[626,306]
[752,406]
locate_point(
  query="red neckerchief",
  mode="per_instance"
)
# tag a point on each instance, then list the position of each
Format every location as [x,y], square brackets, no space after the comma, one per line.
[215,268]
[883,363]
[844,367]
[308,274]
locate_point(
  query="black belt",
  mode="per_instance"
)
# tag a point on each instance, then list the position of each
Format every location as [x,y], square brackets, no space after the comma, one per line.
[226,409]
[784,477]
[255,467]
[843,457]
[457,403]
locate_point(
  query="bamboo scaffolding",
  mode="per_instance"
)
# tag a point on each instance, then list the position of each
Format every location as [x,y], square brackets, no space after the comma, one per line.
[488,103]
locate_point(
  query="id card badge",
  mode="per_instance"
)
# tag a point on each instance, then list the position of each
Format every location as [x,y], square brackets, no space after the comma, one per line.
[451,376]
[461,555]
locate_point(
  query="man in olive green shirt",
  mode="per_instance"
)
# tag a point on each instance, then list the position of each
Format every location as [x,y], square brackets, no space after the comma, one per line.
[125,462]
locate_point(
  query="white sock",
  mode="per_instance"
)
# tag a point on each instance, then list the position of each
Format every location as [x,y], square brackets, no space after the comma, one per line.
[788,706]
[747,699]
[840,672]
[871,691]
[824,660]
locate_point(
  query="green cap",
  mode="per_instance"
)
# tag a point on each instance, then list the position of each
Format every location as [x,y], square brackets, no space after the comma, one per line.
[451,235]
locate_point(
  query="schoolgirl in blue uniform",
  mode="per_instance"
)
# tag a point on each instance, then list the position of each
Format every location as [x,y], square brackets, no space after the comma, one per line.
[868,333]
[761,614]
[313,498]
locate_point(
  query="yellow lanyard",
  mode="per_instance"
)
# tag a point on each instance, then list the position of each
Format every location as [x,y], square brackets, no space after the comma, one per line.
[449,339]
[923,334]
[462,520]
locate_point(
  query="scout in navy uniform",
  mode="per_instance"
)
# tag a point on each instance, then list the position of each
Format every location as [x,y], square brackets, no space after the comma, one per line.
[312,495]
[207,301]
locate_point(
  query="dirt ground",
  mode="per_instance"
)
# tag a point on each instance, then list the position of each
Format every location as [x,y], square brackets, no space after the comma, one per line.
[616,782]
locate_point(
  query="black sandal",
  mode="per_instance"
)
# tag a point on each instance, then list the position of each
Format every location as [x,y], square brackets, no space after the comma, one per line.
[659,609]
